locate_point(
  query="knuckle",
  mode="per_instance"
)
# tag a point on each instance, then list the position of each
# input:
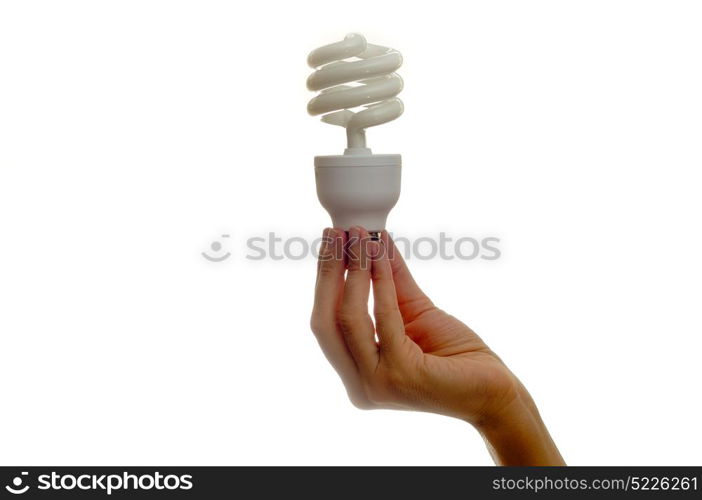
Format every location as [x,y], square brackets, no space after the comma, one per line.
[315,325]
[358,397]
[380,393]
[374,395]
[357,264]
[347,319]
[362,403]
[391,387]
[386,313]
[379,396]
[320,324]
[354,264]
[326,267]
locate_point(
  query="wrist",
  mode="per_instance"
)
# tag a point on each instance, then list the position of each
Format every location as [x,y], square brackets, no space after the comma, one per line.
[516,434]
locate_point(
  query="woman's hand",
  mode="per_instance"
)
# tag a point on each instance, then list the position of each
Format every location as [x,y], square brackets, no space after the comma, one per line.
[416,356]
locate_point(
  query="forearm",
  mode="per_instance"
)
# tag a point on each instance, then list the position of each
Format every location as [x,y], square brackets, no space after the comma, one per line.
[518,436]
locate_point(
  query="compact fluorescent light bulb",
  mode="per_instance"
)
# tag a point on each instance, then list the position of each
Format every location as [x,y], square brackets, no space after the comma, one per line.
[358,188]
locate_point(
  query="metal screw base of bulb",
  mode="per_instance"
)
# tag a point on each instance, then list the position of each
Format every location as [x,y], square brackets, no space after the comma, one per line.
[374,235]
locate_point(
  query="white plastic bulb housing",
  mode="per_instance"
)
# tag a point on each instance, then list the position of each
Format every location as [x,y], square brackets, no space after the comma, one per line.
[357,188]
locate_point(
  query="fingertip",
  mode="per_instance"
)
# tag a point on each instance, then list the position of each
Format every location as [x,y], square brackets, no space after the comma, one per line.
[374,250]
[354,232]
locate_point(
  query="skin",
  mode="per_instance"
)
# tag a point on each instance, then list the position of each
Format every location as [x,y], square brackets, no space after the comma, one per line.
[415,356]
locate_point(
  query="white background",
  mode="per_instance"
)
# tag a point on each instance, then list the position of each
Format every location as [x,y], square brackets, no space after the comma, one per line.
[133,134]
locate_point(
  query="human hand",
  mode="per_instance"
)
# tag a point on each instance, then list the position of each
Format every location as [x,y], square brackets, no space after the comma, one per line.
[423,358]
